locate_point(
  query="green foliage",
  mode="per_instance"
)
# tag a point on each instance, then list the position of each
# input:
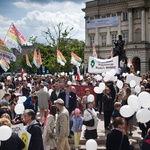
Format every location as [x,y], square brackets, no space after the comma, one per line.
[58,37]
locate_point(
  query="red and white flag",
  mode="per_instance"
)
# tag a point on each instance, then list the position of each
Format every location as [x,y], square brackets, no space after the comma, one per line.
[78,73]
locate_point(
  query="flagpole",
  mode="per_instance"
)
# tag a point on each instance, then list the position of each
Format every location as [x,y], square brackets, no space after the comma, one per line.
[8,31]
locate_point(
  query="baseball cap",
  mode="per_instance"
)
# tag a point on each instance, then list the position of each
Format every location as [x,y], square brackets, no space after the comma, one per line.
[59,101]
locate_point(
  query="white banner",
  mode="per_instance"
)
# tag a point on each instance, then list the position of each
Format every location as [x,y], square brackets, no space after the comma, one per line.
[96,65]
[103,22]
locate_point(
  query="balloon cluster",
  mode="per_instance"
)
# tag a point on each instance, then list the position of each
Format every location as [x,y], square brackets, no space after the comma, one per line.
[136,104]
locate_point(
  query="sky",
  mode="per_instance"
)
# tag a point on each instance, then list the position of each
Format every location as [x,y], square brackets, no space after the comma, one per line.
[32,17]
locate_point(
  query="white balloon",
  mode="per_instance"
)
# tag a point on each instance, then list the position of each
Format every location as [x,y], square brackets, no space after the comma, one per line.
[97,90]
[8,77]
[133,102]
[5,133]
[143,115]
[21,99]
[126,111]
[69,83]
[113,72]
[19,109]
[91,145]
[102,86]
[90,97]
[119,84]
[132,83]
[99,78]
[19,78]
[144,99]
[137,89]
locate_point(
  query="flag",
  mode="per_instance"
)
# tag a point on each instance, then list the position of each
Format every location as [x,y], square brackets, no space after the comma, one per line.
[39,59]
[78,73]
[36,59]
[94,51]
[5,66]
[22,73]
[27,60]
[60,58]
[14,38]
[75,60]
[5,52]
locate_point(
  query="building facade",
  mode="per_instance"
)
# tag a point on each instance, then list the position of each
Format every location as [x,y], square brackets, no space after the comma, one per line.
[133,24]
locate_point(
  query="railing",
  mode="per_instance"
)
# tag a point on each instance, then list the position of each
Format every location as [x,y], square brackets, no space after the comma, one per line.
[102,2]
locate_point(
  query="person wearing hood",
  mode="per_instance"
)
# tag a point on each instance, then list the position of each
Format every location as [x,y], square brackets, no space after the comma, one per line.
[34,128]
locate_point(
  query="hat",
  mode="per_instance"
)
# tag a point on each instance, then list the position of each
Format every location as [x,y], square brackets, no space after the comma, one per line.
[77,110]
[59,101]
[87,89]
[90,100]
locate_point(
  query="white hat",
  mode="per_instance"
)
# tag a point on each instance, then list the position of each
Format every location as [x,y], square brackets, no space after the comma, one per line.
[59,101]
[90,100]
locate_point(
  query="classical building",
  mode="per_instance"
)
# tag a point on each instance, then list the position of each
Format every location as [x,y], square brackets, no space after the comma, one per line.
[131,20]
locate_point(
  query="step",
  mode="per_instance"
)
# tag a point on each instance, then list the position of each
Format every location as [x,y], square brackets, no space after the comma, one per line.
[100,147]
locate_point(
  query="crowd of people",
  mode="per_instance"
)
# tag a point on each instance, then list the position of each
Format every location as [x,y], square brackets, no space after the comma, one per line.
[62,112]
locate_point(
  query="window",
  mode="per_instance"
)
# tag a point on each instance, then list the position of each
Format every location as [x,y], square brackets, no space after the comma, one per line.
[113,15]
[125,37]
[103,16]
[125,16]
[103,40]
[114,38]
[137,14]
[91,41]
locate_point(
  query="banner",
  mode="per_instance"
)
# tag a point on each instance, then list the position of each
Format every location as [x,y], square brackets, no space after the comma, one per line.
[4,64]
[96,65]
[102,22]
[94,51]
[27,61]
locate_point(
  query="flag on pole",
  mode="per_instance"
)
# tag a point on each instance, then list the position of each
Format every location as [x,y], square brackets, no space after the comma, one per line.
[22,73]
[14,38]
[94,51]
[27,61]
[39,58]
[60,58]
[75,60]
[36,59]
[78,73]
[5,66]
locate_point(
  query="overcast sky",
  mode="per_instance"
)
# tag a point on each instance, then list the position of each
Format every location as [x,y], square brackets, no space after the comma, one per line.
[31,17]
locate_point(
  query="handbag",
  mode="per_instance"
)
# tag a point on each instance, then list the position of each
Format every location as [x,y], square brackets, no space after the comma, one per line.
[89,123]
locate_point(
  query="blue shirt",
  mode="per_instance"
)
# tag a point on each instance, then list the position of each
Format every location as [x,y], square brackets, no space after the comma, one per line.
[77,123]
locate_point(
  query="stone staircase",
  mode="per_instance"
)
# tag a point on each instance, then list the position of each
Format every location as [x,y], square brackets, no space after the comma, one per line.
[101,143]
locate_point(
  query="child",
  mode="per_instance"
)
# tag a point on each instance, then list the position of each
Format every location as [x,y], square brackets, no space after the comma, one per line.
[76,127]
[116,113]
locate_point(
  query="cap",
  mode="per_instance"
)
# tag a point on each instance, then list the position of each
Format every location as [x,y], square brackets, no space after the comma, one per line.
[90,100]
[87,89]
[77,110]
[59,101]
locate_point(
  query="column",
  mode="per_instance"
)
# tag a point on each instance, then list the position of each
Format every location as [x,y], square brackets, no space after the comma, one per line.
[86,33]
[130,21]
[96,40]
[108,42]
[119,21]
[143,26]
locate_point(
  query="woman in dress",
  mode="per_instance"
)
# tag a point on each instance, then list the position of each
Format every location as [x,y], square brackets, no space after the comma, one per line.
[49,141]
